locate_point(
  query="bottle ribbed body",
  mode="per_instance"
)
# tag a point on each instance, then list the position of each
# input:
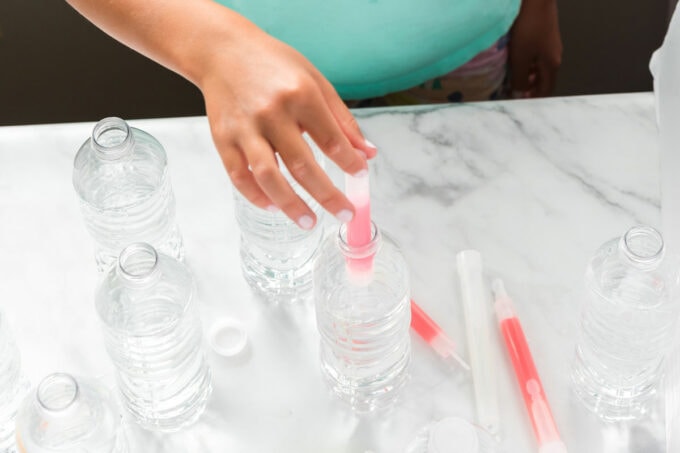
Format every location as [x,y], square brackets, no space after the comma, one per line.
[626,325]
[671,390]
[153,335]
[70,414]
[363,324]
[277,256]
[150,219]
[13,386]
[121,178]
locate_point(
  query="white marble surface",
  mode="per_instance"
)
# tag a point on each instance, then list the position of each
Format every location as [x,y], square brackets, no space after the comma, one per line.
[535,185]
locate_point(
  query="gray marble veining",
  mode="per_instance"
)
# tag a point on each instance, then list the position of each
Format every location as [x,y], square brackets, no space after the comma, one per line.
[535,185]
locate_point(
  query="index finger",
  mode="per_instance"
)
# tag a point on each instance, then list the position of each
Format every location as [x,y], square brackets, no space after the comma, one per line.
[317,120]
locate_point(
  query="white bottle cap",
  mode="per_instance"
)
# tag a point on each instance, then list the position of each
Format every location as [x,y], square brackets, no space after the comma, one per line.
[227,337]
[453,434]
[553,447]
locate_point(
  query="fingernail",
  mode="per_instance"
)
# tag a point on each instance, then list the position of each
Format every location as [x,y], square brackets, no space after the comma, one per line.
[344,216]
[361,173]
[272,208]
[305,222]
[370,145]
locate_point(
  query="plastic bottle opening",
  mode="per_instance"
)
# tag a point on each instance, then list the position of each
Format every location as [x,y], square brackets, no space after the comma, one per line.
[138,261]
[359,252]
[57,392]
[359,259]
[643,245]
[111,137]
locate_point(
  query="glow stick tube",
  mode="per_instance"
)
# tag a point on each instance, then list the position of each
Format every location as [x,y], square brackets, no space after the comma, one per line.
[357,190]
[530,385]
[476,307]
[429,331]
[360,228]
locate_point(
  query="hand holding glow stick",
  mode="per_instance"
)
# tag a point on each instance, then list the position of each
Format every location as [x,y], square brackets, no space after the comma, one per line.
[536,403]
[429,331]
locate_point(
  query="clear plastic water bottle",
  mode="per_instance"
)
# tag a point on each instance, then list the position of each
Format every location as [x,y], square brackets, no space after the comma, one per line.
[626,324]
[13,386]
[363,317]
[277,256]
[64,413]
[121,177]
[671,386]
[147,304]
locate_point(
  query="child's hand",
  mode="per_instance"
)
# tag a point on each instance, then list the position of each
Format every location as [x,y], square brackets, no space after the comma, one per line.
[260,96]
[535,48]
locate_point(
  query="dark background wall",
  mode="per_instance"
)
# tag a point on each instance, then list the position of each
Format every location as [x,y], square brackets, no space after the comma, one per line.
[608,44]
[57,67]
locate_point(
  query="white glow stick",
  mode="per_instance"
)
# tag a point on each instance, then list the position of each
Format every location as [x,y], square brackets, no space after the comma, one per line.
[478,320]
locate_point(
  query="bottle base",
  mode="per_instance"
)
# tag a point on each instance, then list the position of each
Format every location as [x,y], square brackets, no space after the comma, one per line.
[609,403]
[279,286]
[368,394]
[175,420]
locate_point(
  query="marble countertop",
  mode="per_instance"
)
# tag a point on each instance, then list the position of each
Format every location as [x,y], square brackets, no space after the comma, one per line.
[535,185]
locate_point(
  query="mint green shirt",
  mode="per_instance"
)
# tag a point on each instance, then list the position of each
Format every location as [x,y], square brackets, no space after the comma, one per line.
[368,48]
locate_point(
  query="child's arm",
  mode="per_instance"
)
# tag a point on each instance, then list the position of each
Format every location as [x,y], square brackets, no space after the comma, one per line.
[260,94]
[535,48]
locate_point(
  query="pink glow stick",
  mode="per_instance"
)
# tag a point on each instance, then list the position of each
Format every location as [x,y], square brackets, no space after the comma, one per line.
[359,229]
[530,385]
[357,190]
[429,331]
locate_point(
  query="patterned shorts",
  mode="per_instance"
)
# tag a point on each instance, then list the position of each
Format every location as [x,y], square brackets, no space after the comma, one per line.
[482,78]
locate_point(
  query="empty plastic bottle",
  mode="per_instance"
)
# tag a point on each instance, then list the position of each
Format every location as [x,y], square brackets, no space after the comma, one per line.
[121,177]
[13,386]
[363,316]
[147,304]
[626,324]
[671,386]
[277,256]
[68,414]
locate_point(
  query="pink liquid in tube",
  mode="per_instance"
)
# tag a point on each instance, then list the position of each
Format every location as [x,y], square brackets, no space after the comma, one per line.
[536,403]
[429,331]
[359,229]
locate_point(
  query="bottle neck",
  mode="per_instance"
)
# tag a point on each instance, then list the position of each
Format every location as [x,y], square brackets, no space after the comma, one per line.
[361,251]
[643,247]
[112,138]
[138,265]
[57,392]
